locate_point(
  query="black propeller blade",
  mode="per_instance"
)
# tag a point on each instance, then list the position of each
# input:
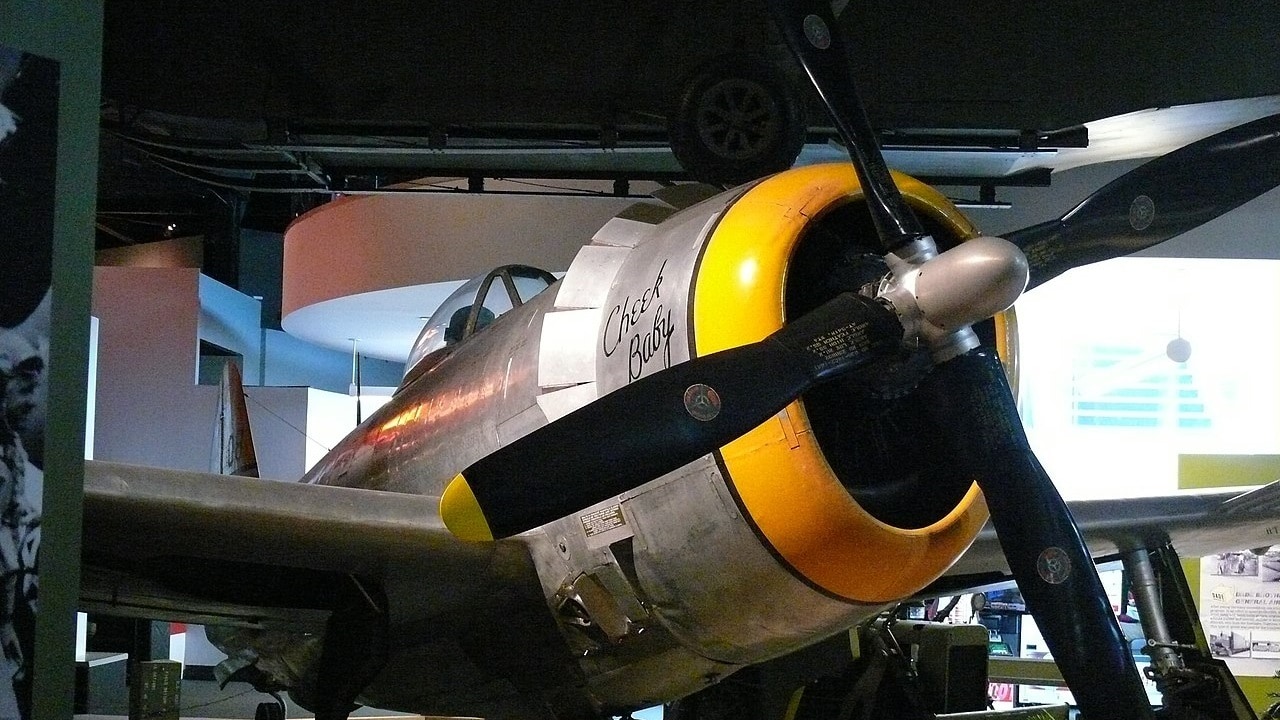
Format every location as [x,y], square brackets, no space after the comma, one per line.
[1046,555]
[663,421]
[977,418]
[819,46]
[1167,196]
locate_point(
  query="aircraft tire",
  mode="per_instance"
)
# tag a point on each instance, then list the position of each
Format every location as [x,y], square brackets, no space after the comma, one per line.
[269,711]
[736,119]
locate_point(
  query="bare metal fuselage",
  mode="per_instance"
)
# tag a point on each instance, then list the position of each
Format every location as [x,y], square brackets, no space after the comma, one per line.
[741,556]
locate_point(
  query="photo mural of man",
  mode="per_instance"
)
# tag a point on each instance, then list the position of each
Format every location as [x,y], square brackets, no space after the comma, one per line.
[28,141]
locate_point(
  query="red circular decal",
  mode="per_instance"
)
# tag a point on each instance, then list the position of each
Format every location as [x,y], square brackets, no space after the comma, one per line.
[702,402]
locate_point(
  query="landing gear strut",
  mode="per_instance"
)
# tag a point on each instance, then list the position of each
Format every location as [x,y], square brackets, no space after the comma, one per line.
[1194,685]
[354,651]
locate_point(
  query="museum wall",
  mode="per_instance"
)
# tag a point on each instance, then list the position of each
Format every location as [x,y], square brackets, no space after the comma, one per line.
[261,258]
[290,361]
[150,408]
[147,368]
[178,252]
[232,320]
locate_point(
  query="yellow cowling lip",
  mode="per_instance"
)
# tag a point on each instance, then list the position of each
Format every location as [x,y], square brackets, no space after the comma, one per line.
[777,471]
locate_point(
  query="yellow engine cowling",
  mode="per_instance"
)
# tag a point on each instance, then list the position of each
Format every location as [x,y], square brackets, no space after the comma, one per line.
[779,473]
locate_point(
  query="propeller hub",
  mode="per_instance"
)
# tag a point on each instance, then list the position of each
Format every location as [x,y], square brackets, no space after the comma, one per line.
[938,299]
[913,254]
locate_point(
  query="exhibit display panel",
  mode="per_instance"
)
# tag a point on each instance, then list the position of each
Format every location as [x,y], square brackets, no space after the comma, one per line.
[28,164]
[48,165]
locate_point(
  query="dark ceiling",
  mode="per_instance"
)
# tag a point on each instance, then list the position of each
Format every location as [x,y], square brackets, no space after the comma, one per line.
[218,115]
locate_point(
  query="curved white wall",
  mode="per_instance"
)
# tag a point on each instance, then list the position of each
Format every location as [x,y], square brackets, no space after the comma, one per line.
[356,247]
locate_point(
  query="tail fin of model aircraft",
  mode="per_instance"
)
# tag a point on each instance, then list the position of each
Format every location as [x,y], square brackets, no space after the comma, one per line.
[233,437]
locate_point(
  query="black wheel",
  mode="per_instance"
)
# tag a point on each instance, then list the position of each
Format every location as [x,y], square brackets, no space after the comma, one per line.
[736,120]
[269,711]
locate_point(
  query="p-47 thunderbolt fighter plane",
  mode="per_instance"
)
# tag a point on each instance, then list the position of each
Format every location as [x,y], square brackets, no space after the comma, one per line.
[734,428]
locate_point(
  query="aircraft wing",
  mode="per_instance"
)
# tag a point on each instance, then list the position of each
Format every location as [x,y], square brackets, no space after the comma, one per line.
[200,547]
[219,549]
[1197,524]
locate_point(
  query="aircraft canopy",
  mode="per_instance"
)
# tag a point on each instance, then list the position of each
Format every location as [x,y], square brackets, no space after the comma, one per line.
[475,304]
